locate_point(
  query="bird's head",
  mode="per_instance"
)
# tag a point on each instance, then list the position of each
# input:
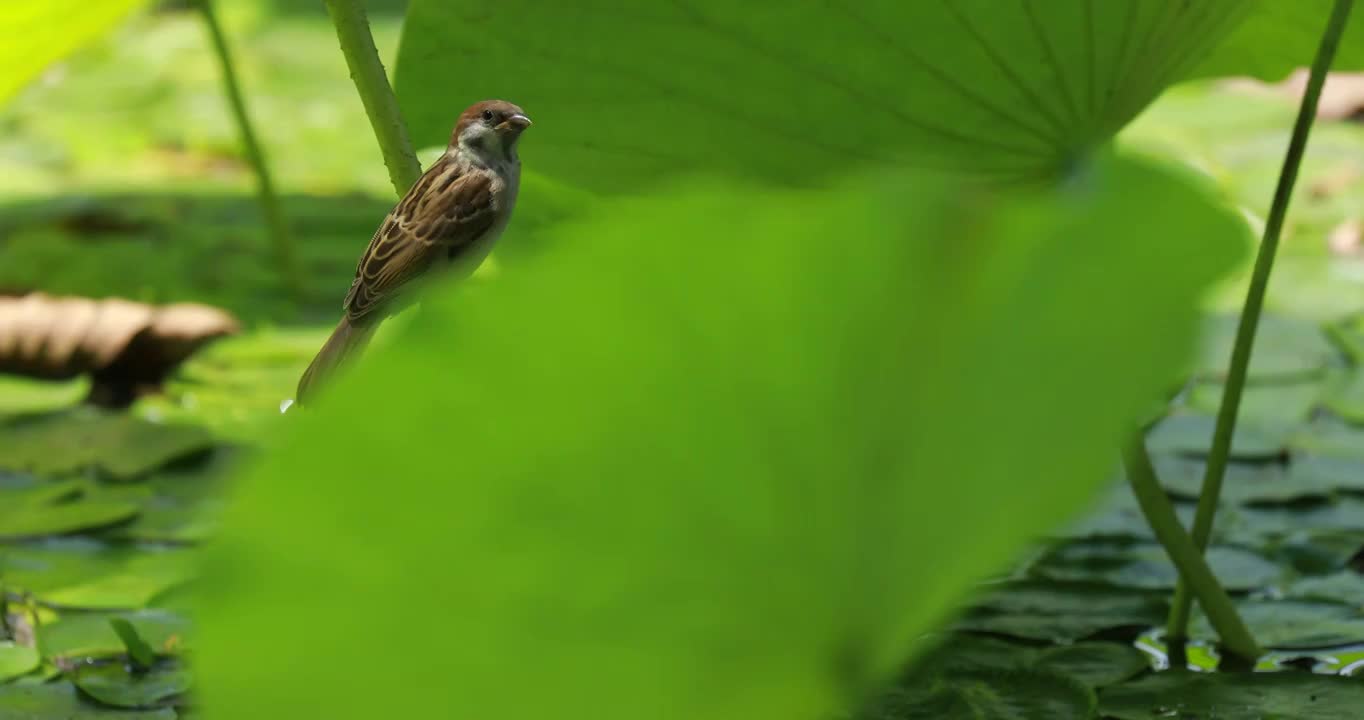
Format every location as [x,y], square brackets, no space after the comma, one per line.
[490,129]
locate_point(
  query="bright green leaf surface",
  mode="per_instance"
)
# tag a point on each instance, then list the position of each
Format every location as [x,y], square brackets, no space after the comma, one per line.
[35,33]
[591,459]
[16,660]
[627,91]
[1280,36]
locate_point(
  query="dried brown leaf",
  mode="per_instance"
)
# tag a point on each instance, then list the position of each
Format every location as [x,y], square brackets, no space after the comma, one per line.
[125,346]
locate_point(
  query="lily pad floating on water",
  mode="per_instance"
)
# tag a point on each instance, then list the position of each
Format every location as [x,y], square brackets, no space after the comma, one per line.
[1329,437]
[1064,612]
[1235,696]
[113,683]
[1093,664]
[1344,395]
[58,509]
[16,660]
[80,635]
[1345,587]
[119,446]
[1190,433]
[1023,694]
[1117,516]
[1145,565]
[82,573]
[1286,349]
[1247,482]
[182,504]
[1295,624]
[1266,404]
[61,700]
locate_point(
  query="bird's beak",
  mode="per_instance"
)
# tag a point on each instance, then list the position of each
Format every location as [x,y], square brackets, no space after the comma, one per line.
[515,124]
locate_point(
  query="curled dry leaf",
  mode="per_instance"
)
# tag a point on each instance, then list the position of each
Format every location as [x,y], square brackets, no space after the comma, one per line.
[1341,98]
[125,346]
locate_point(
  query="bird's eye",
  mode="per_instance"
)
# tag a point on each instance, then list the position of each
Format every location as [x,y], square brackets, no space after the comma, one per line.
[488,115]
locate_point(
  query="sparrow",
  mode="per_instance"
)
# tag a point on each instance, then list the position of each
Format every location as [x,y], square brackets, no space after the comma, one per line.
[445,225]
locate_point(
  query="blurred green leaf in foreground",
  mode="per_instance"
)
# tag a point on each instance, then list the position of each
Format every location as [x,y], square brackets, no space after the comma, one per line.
[723,453]
[35,33]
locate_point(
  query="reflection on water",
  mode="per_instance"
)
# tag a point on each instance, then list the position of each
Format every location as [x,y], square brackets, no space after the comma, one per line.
[1202,656]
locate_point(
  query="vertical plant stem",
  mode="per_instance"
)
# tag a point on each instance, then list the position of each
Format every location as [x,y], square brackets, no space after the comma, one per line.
[367,71]
[1193,567]
[1177,627]
[280,238]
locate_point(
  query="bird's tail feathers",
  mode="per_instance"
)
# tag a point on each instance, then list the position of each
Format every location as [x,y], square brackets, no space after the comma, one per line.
[345,341]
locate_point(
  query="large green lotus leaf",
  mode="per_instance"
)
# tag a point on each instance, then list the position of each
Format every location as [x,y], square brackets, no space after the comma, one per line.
[1281,35]
[625,91]
[1235,696]
[724,459]
[36,33]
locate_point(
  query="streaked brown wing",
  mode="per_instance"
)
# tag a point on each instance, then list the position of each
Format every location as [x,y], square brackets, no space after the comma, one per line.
[445,211]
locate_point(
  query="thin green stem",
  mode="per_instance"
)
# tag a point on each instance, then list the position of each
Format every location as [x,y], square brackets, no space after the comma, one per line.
[1177,627]
[280,237]
[352,30]
[1193,567]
